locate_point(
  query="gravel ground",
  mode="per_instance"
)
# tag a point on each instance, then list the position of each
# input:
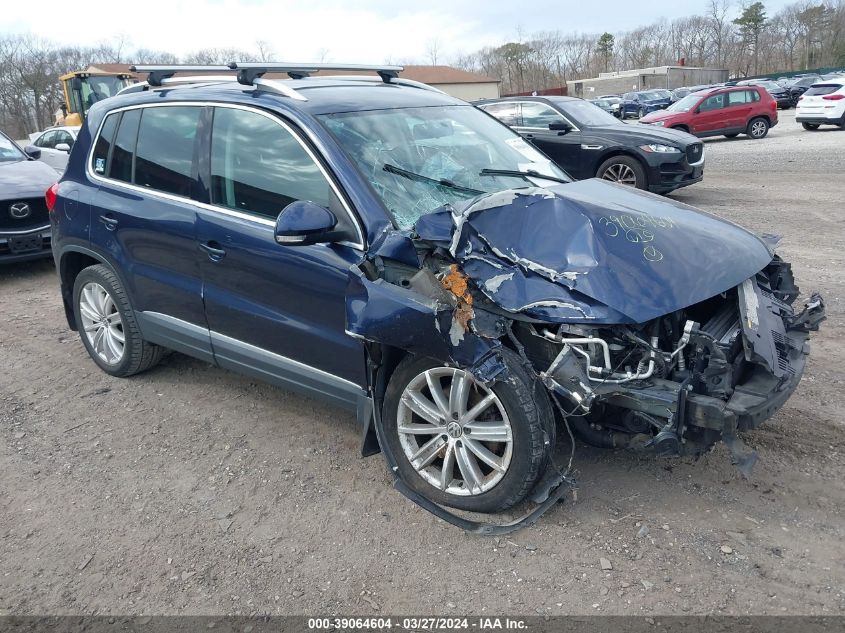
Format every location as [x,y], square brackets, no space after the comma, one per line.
[191,490]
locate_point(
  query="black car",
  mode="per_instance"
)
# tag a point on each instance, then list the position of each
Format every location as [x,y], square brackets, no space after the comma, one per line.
[778,92]
[800,85]
[24,225]
[611,106]
[588,142]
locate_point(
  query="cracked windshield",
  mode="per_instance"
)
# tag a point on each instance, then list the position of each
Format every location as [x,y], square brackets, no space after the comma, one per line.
[418,159]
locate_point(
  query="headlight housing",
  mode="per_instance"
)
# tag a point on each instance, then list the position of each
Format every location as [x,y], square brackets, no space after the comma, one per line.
[659,124]
[657,148]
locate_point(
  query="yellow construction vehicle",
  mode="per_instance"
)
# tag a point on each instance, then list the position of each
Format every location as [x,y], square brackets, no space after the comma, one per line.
[83,88]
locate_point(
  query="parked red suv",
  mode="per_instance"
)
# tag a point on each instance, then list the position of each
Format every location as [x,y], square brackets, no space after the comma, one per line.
[728,111]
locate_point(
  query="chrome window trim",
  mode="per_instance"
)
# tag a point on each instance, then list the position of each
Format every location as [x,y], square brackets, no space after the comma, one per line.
[359,244]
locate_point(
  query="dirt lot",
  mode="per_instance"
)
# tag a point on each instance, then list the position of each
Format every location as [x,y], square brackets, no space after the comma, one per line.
[192,490]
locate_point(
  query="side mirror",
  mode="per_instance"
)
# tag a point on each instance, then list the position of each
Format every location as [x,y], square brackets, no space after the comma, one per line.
[33,152]
[63,147]
[303,222]
[560,126]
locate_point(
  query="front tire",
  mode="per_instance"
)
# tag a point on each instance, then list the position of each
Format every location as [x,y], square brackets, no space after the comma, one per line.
[624,170]
[107,324]
[757,128]
[810,126]
[464,445]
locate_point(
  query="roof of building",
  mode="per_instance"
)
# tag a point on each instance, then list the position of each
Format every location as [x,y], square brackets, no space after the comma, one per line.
[426,74]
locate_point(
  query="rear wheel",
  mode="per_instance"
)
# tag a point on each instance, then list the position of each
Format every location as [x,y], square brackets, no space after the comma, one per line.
[107,324]
[624,170]
[810,126]
[757,128]
[462,444]
[641,113]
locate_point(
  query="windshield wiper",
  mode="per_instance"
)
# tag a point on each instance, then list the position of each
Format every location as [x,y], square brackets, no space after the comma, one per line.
[443,182]
[528,173]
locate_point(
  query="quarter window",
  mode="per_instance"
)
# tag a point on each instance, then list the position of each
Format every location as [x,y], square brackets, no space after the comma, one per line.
[538,115]
[124,146]
[258,166]
[100,156]
[165,155]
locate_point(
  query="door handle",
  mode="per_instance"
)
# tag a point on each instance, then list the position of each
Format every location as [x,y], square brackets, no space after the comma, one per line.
[215,253]
[109,221]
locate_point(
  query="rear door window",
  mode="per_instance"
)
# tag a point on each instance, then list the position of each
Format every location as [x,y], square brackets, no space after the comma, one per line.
[739,97]
[507,113]
[164,159]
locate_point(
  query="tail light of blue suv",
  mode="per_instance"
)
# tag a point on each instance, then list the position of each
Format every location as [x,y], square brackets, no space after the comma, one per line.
[51,195]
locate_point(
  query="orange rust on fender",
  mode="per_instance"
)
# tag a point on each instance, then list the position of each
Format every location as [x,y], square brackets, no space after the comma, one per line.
[456,283]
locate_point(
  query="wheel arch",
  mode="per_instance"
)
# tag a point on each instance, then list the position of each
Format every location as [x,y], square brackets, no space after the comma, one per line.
[621,151]
[72,261]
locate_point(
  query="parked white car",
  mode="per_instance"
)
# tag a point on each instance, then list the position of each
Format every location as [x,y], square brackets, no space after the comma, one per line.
[822,104]
[55,144]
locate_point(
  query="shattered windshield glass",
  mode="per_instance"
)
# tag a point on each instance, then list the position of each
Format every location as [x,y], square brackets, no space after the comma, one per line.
[418,159]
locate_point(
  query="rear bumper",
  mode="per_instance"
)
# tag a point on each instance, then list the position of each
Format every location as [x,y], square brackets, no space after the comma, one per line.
[820,120]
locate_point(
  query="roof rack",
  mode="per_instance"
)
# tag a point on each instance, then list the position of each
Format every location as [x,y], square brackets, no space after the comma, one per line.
[248,71]
[158,73]
[252,74]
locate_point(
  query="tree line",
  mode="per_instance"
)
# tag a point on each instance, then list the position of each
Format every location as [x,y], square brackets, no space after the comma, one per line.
[744,39]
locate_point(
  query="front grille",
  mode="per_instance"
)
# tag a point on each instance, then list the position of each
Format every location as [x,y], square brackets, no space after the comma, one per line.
[14,217]
[694,152]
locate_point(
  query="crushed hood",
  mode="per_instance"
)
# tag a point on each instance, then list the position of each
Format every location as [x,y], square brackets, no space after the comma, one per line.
[593,252]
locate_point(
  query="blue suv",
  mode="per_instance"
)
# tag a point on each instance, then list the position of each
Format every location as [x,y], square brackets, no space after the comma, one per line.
[396,251]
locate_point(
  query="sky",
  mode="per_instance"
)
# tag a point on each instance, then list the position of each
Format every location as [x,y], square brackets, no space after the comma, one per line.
[365,31]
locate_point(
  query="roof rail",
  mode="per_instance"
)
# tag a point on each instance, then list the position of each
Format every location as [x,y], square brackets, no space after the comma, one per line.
[158,73]
[249,71]
[401,81]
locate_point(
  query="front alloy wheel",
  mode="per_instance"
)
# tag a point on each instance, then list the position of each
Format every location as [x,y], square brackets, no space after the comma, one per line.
[464,444]
[454,432]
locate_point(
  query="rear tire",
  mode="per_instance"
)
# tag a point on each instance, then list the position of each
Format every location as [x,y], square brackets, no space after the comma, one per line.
[626,170]
[757,128]
[810,126]
[522,452]
[104,316]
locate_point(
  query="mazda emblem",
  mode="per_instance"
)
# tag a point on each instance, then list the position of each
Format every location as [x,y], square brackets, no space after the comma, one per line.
[20,210]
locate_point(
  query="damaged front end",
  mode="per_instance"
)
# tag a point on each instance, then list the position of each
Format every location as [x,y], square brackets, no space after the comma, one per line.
[651,325]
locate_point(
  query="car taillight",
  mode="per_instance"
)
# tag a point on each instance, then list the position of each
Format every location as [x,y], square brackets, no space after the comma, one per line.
[833,97]
[50,197]
[801,98]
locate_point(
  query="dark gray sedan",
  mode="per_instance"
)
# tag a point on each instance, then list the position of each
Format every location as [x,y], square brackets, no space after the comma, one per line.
[24,224]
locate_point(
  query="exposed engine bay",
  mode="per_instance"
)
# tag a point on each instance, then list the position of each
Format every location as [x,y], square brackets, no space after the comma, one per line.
[664,330]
